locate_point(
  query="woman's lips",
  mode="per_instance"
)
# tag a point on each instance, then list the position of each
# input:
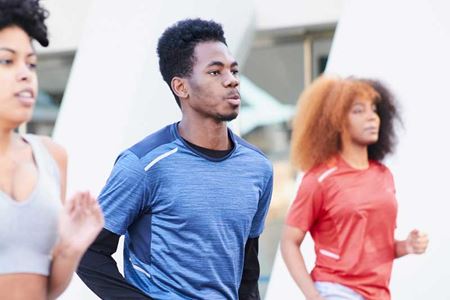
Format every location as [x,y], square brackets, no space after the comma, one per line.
[26,97]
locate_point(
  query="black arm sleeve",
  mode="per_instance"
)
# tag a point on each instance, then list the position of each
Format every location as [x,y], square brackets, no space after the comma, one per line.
[99,271]
[248,289]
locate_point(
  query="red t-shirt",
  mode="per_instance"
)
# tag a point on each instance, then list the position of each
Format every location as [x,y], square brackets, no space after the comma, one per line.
[351,215]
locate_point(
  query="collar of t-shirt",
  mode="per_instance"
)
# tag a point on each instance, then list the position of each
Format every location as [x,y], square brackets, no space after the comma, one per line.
[210,152]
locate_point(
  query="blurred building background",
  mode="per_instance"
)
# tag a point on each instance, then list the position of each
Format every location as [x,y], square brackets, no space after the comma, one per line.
[289,49]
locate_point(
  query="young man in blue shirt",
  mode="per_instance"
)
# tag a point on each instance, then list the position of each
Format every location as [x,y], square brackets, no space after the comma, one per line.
[191,198]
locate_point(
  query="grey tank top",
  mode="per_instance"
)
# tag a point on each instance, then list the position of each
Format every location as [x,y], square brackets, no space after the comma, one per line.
[28,229]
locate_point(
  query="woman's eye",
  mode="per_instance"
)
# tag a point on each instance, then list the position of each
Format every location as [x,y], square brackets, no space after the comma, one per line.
[5,61]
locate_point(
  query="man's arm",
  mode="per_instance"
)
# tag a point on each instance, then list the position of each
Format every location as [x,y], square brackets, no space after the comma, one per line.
[248,290]
[99,271]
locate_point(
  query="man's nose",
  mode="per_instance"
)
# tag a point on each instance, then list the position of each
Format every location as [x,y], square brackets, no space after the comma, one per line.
[232,80]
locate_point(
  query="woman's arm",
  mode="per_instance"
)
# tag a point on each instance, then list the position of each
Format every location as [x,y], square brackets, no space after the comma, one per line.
[80,222]
[291,240]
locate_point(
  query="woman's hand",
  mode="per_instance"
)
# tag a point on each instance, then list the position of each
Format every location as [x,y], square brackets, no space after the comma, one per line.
[80,222]
[417,242]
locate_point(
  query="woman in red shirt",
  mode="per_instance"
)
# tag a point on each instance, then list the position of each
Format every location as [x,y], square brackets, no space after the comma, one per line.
[343,129]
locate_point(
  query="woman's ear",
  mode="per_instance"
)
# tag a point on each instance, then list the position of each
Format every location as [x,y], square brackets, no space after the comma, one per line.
[179,87]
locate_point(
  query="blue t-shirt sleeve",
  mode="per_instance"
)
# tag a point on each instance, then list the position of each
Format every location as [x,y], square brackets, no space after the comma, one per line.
[123,197]
[263,207]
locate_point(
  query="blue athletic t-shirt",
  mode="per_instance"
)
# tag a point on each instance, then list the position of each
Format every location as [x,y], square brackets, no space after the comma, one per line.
[186,216]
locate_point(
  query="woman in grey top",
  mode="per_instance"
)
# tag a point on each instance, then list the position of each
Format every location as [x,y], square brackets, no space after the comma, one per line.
[41,238]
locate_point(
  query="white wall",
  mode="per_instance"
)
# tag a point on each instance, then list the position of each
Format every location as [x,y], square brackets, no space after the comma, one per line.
[67,17]
[65,23]
[274,15]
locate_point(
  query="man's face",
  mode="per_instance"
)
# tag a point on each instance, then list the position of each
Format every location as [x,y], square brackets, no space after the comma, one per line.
[213,87]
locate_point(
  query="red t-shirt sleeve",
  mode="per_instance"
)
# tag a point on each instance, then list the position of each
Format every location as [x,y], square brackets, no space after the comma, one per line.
[306,207]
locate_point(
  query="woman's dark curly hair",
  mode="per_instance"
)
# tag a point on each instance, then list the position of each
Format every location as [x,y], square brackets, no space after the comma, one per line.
[177,44]
[26,14]
[387,109]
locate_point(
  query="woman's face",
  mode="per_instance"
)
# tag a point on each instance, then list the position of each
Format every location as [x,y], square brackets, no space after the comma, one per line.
[363,123]
[18,81]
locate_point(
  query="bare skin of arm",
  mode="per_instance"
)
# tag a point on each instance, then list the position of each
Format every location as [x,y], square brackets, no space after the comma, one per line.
[291,241]
[79,224]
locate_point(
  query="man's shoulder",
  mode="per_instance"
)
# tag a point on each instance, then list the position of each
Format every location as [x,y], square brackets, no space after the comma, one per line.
[257,157]
[252,148]
[151,142]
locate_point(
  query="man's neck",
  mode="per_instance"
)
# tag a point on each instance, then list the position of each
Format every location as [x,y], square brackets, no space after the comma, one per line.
[207,134]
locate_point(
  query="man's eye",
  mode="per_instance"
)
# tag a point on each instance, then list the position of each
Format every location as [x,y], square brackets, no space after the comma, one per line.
[214,72]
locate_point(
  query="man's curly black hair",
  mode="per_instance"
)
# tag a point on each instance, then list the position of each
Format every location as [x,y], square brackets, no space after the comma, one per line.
[177,43]
[26,14]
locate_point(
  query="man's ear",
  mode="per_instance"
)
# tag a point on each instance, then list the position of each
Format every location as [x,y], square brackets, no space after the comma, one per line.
[179,87]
